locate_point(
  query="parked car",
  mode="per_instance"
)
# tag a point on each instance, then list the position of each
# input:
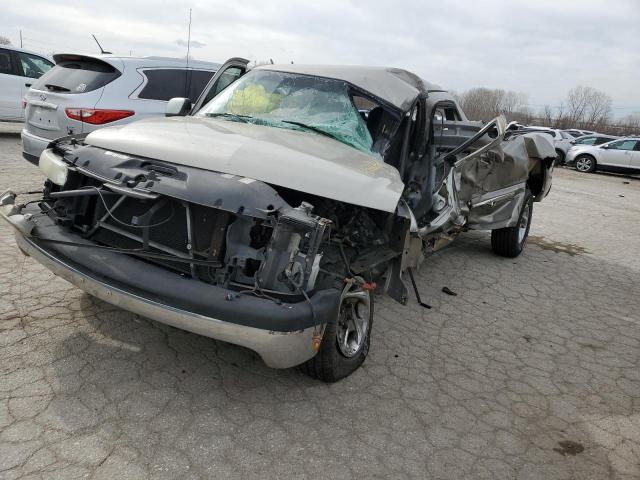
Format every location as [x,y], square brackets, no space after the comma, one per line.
[574,132]
[561,140]
[269,215]
[18,69]
[83,93]
[595,139]
[622,155]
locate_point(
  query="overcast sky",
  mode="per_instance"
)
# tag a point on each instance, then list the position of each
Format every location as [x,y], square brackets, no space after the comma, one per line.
[539,47]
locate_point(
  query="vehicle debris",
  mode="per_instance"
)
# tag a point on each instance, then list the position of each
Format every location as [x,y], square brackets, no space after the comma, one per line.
[416,291]
[448,291]
[569,447]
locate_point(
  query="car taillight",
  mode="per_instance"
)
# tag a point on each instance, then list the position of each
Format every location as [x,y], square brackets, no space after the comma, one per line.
[96,116]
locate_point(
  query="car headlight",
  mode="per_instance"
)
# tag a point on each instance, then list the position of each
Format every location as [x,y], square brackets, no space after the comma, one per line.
[53,167]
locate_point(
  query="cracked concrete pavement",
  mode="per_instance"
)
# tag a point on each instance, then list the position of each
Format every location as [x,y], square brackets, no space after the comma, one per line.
[530,372]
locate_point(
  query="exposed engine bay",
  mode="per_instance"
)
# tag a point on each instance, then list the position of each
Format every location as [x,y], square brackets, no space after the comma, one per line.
[250,237]
[252,241]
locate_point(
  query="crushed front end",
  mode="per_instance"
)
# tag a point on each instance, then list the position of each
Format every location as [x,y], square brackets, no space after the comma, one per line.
[216,254]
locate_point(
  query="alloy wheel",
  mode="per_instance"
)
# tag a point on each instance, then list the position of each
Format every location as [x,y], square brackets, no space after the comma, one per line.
[353,322]
[523,225]
[583,164]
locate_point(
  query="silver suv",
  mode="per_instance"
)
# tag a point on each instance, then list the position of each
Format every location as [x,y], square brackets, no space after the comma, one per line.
[622,155]
[83,93]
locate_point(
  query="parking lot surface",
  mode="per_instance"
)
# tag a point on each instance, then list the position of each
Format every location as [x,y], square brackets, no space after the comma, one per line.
[531,372]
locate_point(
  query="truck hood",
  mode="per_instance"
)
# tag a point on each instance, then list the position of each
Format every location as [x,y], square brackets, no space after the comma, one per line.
[303,161]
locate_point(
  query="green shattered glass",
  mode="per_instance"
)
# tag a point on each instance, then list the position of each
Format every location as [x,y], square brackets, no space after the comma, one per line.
[294,101]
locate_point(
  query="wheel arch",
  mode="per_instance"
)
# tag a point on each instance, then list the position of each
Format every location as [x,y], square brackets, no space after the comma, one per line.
[539,179]
[589,155]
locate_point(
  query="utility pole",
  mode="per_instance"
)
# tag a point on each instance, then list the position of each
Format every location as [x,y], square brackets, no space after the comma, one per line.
[187,77]
[20,38]
[189,38]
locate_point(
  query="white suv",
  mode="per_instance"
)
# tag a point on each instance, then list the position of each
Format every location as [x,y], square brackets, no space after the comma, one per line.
[84,92]
[18,69]
[561,140]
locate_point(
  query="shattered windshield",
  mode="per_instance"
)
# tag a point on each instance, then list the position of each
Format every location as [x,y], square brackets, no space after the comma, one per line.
[298,102]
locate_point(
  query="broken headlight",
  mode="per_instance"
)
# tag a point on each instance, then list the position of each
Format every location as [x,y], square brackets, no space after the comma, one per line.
[54,167]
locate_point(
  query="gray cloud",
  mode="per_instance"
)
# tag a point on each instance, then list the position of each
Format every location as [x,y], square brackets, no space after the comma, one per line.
[542,47]
[194,43]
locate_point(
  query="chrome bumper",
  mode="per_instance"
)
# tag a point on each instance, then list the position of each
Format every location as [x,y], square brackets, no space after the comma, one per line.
[277,349]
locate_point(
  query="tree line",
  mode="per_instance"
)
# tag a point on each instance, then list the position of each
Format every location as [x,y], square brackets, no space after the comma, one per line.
[585,108]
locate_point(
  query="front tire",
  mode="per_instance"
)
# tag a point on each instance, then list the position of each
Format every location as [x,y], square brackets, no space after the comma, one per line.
[585,163]
[509,242]
[346,339]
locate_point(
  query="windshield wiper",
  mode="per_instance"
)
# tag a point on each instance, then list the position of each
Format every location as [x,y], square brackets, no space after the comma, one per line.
[231,116]
[56,88]
[312,128]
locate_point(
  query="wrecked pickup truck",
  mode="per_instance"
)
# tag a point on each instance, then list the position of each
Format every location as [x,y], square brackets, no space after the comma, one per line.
[268,213]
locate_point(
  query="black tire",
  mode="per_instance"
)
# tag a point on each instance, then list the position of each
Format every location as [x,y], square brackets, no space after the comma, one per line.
[508,242]
[329,364]
[585,163]
[559,158]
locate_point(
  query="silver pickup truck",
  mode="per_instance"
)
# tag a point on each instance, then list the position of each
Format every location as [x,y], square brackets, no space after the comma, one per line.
[268,212]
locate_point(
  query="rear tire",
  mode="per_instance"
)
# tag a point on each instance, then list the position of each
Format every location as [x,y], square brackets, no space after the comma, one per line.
[559,158]
[340,352]
[585,163]
[509,242]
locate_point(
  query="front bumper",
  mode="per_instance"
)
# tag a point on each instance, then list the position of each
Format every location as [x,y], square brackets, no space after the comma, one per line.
[570,159]
[282,334]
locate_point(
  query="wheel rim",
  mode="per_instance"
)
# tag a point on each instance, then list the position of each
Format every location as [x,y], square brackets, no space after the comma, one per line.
[583,164]
[353,322]
[523,224]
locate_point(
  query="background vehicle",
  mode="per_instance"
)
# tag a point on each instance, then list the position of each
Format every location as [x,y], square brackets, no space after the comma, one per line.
[18,69]
[561,140]
[621,155]
[574,132]
[594,139]
[562,143]
[83,93]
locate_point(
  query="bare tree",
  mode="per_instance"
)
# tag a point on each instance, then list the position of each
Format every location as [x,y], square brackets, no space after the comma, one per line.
[4,40]
[630,125]
[587,107]
[584,107]
[485,103]
[547,116]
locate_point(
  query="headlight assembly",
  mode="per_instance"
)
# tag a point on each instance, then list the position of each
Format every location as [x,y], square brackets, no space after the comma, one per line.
[54,167]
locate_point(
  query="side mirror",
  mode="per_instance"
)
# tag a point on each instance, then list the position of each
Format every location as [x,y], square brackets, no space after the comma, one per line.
[572,142]
[178,107]
[606,147]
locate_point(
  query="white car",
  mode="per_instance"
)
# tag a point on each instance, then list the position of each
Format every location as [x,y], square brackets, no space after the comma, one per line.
[18,69]
[85,92]
[578,133]
[595,139]
[622,155]
[561,140]
[562,143]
